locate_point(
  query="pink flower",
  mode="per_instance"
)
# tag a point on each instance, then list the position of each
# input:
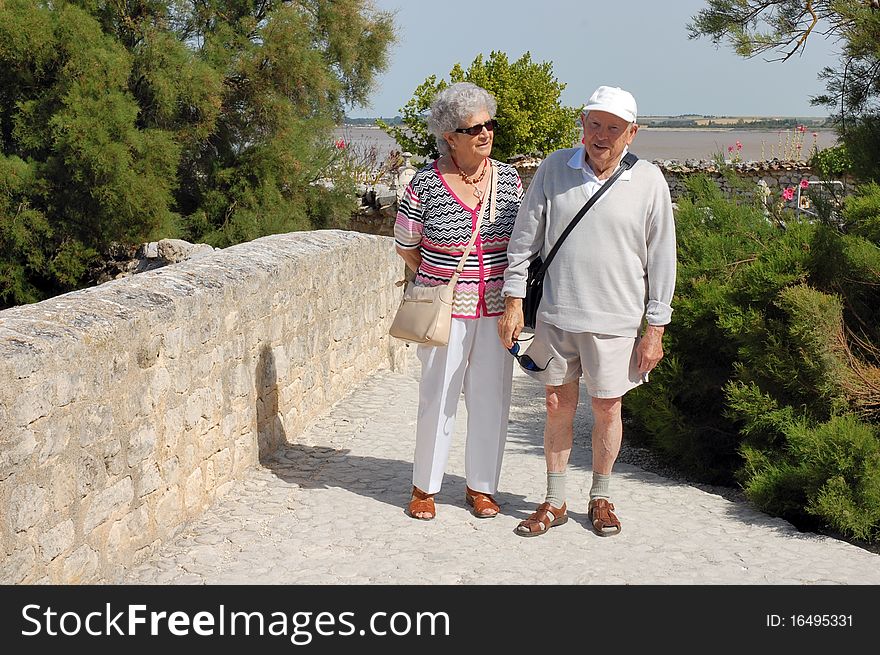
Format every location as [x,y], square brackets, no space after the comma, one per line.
[805,183]
[788,193]
[340,144]
[739,145]
[729,148]
[815,134]
[802,128]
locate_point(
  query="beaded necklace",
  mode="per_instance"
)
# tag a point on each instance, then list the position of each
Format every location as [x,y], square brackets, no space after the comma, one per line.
[472,181]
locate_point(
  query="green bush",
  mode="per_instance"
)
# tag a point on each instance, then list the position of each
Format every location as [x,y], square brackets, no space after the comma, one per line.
[726,274]
[861,134]
[816,475]
[848,265]
[831,163]
[770,360]
[861,213]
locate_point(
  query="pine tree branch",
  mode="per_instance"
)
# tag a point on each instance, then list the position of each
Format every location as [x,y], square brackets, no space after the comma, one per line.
[802,41]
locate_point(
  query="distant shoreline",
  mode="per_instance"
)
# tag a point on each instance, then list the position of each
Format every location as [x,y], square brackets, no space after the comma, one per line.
[728,128]
[681,122]
[666,143]
[656,128]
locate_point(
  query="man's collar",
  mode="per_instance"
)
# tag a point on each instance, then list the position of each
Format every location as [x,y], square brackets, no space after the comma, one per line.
[579,161]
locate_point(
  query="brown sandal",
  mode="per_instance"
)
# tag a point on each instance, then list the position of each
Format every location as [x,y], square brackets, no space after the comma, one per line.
[421,503]
[544,518]
[484,505]
[605,523]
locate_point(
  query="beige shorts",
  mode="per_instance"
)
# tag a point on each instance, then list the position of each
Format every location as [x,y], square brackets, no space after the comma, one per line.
[608,363]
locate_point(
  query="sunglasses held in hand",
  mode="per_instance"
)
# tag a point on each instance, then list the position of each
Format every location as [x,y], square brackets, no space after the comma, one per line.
[525,361]
[474,130]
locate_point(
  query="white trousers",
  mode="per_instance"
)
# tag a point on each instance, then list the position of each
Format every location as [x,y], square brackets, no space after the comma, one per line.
[474,361]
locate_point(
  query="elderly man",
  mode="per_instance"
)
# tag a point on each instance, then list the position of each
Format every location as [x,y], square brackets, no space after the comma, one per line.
[607,294]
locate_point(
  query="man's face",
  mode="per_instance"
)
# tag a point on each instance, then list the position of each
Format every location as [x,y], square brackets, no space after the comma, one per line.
[606,137]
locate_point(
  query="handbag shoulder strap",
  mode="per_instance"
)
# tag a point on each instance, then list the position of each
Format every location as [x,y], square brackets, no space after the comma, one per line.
[629,160]
[489,200]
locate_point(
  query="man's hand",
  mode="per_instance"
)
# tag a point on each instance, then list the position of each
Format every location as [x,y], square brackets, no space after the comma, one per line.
[650,348]
[511,322]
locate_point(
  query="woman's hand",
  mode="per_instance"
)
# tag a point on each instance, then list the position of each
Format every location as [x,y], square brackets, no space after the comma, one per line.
[511,322]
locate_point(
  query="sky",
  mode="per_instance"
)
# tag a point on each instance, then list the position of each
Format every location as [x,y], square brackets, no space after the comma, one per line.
[639,45]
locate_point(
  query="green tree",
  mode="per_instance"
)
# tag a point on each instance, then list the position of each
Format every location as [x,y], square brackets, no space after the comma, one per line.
[530,116]
[90,175]
[782,28]
[289,68]
[127,120]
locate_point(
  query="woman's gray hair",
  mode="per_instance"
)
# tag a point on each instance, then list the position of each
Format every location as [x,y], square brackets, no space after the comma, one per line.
[453,105]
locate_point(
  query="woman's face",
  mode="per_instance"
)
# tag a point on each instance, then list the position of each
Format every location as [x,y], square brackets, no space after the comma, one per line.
[466,147]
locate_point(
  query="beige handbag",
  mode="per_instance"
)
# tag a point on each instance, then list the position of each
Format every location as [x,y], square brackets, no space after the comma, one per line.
[425,313]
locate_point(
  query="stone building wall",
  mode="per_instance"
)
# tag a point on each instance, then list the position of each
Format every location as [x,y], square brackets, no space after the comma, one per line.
[127,408]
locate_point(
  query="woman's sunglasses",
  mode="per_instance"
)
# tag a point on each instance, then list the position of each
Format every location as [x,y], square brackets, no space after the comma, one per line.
[525,361]
[474,130]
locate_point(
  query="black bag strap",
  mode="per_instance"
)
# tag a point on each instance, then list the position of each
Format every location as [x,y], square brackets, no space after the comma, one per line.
[629,160]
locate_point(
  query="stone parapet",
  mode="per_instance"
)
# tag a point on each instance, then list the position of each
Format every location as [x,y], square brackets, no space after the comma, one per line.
[127,408]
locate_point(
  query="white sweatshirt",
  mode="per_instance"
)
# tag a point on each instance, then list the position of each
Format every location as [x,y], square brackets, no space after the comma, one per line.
[616,268]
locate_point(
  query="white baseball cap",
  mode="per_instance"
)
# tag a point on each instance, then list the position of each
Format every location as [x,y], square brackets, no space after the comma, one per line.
[615,101]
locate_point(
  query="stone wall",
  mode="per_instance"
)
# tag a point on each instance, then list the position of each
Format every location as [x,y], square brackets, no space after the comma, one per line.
[127,408]
[378,218]
[776,174]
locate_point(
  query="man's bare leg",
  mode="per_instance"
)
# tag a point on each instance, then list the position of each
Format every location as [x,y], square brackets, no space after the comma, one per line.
[607,437]
[607,433]
[561,402]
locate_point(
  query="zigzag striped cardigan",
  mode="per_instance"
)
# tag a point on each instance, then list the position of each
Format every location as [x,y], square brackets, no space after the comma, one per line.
[432,218]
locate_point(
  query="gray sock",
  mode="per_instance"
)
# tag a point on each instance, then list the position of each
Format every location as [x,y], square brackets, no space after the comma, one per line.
[600,486]
[555,489]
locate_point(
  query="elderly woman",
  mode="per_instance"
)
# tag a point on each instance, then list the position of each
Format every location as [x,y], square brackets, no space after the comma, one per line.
[437,216]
